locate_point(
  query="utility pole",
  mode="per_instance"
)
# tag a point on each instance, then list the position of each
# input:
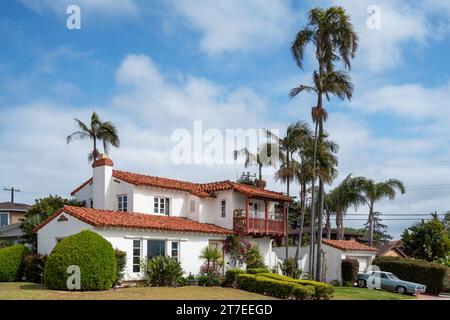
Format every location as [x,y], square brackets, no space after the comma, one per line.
[12,189]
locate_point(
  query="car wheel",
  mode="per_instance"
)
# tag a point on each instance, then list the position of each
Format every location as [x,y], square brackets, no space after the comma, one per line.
[401,290]
[361,283]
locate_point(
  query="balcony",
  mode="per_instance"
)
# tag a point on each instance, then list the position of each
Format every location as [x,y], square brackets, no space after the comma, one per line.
[258,226]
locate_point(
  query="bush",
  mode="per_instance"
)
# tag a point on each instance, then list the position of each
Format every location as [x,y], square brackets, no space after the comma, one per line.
[33,267]
[4,244]
[432,275]
[91,253]
[230,277]
[209,281]
[321,290]
[349,270]
[257,270]
[273,287]
[253,258]
[11,262]
[121,262]
[289,268]
[164,272]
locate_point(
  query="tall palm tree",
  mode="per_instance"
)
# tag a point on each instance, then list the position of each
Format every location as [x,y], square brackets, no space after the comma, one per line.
[297,135]
[96,130]
[334,39]
[261,158]
[373,192]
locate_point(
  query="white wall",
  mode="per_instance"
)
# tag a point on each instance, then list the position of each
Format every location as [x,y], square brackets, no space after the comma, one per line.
[144,197]
[48,235]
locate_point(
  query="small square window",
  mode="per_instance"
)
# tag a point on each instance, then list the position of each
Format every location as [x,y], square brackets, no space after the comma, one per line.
[122,203]
[161,205]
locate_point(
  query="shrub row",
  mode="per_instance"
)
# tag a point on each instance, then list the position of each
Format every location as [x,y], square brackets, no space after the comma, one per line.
[273,287]
[33,267]
[11,266]
[257,270]
[230,277]
[321,290]
[432,275]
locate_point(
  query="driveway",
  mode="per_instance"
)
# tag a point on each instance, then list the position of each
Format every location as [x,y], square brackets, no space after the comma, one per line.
[430,297]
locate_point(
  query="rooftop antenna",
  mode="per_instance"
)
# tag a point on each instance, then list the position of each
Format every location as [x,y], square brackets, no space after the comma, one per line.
[12,189]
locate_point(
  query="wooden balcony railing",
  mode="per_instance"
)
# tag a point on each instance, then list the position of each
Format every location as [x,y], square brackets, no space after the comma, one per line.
[259,226]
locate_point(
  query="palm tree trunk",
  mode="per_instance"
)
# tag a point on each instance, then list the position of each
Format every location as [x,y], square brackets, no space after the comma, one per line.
[319,232]
[313,205]
[328,225]
[260,183]
[370,235]
[287,208]
[302,219]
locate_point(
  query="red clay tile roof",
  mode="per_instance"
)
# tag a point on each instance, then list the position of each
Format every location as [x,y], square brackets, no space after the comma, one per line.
[118,219]
[348,245]
[198,189]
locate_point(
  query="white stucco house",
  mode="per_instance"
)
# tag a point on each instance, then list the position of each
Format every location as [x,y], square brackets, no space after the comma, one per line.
[146,216]
[334,251]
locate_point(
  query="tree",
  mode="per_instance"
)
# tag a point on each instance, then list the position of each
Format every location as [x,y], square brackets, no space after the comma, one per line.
[213,258]
[297,136]
[333,38]
[380,234]
[373,192]
[40,211]
[427,240]
[261,159]
[96,131]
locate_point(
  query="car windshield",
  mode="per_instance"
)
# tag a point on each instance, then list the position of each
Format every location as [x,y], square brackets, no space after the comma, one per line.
[392,276]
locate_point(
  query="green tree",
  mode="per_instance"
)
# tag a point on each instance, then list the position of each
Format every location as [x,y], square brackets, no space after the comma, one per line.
[373,192]
[40,211]
[261,158]
[332,35]
[97,131]
[296,138]
[380,234]
[427,240]
[213,258]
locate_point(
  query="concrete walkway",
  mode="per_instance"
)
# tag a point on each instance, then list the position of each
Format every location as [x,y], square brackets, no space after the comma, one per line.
[430,297]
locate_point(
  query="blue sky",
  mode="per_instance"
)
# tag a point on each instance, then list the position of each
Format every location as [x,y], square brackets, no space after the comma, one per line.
[155,66]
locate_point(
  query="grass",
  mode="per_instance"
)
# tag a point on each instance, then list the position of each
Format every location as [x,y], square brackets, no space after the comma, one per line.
[31,291]
[349,293]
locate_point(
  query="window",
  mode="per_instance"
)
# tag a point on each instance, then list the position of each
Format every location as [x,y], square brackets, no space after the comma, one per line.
[156,248]
[192,206]
[122,203]
[162,205]
[91,203]
[223,208]
[4,219]
[175,250]
[136,255]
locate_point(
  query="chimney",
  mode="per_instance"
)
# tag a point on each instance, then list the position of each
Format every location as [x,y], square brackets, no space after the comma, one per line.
[102,177]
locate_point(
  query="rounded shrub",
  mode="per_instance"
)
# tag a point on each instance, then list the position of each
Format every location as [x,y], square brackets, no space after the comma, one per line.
[91,253]
[11,262]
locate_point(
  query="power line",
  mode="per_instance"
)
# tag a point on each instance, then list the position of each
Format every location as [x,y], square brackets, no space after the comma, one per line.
[402,165]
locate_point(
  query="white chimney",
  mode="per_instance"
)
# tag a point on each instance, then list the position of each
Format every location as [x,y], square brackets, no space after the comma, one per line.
[102,178]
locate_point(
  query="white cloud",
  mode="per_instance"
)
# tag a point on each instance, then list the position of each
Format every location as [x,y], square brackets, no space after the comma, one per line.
[99,7]
[234,25]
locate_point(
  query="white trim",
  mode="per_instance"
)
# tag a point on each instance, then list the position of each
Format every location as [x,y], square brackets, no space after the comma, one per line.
[8,214]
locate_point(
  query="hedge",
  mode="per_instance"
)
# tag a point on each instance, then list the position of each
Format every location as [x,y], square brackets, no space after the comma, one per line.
[121,263]
[432,275]
[321,290]
[230,277]
[257,270]
[11,262]
[349,268]
[33,267]
[91,253]
[273,287]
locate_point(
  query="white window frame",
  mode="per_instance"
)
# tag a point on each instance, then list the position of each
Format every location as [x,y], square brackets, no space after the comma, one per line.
[134,256]
[8,219]
[177,257]
[165,205]
[223,208]
[120,202]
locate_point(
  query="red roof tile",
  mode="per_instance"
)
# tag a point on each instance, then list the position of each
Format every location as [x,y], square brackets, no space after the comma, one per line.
[349,245]
[118,219]
[198,189]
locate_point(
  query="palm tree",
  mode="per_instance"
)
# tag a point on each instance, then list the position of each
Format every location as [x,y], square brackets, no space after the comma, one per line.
[372,192]
[260,159]
[213,258]
[297,135]
[332,35]
[96,131]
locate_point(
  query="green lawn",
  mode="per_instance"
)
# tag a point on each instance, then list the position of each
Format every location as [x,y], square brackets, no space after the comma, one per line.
[348,293]
[31,291]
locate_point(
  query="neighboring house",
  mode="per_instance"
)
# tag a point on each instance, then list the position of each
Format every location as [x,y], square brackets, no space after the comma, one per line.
[147,216]
[11,214]
[348,235]
[334,251]
[392,249]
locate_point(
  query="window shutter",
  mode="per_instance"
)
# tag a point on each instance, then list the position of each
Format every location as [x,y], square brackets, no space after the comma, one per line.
[167,207]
